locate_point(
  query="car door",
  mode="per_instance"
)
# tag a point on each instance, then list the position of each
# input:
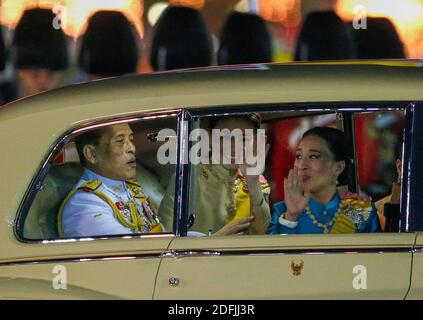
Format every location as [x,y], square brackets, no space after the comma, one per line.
[370,266]
[319,266]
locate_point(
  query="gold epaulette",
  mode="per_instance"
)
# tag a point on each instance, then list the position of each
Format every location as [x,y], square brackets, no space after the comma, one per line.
[91,185]
[133,182]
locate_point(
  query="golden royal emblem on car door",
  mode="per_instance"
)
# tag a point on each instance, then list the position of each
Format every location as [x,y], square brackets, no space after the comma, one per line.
[297,267]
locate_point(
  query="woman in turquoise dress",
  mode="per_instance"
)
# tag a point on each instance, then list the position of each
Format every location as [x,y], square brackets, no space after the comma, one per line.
[312,202]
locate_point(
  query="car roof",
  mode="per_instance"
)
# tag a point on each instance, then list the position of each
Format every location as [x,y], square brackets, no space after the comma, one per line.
[383,80]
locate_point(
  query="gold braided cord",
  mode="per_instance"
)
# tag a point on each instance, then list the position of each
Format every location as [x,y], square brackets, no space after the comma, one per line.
[136,222]
[326,225]
[121,218]
[62,206]
[343,222]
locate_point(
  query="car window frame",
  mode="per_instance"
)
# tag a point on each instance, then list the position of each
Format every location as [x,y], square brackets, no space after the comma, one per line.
[37,180]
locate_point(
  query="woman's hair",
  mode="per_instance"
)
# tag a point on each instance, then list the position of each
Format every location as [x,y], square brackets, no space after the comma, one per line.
[339,146]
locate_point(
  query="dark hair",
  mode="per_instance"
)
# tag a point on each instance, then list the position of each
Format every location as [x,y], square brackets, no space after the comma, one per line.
[37,43]
[339,146]
[244,39]
[324,36]
[181,33]
[254,118]
[90,137]
[109,46]
[380,40]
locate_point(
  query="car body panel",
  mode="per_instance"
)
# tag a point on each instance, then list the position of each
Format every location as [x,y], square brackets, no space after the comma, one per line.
[85,248]
[31,126]
[113,278]
[95,269]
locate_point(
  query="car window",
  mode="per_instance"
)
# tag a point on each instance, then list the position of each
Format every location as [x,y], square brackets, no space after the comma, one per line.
[115,190]
[221,198]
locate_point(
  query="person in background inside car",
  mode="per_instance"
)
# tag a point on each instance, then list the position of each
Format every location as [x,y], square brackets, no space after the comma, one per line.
[40,52]
[181,40]
[106,201]
[312,202]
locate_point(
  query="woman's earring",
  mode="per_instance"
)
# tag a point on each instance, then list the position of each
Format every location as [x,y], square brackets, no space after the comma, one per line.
[335,178]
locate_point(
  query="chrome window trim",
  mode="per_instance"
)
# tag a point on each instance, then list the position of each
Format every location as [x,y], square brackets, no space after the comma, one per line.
[314,107]
[43,168]
[179,254]
[182,178]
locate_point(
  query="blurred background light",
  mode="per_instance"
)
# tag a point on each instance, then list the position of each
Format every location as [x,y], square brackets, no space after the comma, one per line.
[77,12]
[155,12]
[407,15]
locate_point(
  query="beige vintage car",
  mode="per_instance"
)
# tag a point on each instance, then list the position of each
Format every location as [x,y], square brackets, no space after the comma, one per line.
[39,167]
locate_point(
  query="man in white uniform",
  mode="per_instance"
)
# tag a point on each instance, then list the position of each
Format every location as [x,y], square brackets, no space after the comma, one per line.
[105,201]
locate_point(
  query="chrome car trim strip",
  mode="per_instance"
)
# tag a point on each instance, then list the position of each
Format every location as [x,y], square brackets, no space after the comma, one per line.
[86,259]
[313,107]
[203,253]
[189,253]
[111,237]
[320,251]
[214,253]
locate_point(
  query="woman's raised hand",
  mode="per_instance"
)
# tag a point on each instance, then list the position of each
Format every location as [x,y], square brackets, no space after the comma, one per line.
[295,198]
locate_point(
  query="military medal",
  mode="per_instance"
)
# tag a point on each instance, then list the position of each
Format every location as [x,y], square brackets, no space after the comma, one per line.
[148,211]
[124,208]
